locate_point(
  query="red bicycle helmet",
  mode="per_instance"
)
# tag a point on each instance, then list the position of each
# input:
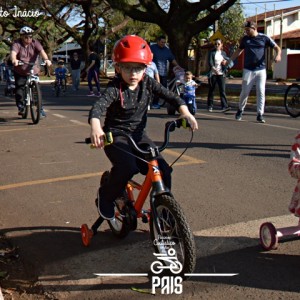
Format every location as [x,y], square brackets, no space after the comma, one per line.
[132,48]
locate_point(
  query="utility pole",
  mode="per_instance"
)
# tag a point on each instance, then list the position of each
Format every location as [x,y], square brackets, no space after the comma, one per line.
[281,21]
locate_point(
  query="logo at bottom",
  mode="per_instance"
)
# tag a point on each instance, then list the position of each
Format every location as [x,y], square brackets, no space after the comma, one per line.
[167,284]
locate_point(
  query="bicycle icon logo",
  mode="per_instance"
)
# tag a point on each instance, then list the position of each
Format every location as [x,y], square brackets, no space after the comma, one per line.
[166,261]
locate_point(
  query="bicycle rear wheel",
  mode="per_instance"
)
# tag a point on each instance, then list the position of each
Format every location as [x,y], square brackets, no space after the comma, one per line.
[170,230]
[292,101]
[35,101]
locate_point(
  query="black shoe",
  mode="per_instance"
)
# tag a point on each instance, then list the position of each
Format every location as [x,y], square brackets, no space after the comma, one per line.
[260,119]
[238,115]
[106,209]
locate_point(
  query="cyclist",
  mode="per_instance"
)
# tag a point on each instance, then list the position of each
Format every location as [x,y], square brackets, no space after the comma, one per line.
[25,49]
[126,101]
[61,74]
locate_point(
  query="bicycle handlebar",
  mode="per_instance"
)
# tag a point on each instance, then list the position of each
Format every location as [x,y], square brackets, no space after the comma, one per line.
[169,126]
[21,63]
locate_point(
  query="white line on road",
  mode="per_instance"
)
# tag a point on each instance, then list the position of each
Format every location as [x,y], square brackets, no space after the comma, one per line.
[79,123]
[59,116]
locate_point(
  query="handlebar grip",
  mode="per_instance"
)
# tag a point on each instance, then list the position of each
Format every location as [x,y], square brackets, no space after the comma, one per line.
[108,139]
[183,122]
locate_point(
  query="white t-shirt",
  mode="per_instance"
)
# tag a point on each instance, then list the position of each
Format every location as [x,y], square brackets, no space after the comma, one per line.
[218,60]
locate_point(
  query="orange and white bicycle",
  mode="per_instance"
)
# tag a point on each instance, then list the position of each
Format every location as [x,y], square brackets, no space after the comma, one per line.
[169,228]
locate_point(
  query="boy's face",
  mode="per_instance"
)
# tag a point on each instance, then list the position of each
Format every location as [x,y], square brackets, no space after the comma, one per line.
[188,77]
[132,73]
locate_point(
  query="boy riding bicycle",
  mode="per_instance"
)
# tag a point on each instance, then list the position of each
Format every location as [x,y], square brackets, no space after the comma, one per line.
[189,93]
[126,101]
[61,74]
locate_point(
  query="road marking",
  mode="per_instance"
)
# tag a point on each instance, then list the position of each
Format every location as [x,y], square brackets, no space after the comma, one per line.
[49,180]
[190,160]
[79,123]
[236,236]
[59,116]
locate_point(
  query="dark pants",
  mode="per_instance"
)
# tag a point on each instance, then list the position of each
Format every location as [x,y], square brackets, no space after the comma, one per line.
[164,82]
[20,82]
[125,166]
[213,80]
[93,74]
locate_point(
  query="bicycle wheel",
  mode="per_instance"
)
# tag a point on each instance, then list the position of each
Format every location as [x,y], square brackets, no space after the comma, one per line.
[292,101]
[35,101]
[171,230]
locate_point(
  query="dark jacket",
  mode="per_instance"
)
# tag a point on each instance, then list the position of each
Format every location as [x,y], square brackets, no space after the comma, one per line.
[127,109]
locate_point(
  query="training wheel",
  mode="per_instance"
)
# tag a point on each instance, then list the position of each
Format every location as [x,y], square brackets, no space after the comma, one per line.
[268,236]
[86,235]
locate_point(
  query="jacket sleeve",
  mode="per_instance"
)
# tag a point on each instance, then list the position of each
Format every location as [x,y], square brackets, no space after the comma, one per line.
[100,106]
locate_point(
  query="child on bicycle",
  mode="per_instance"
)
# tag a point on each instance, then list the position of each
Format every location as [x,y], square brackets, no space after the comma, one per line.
[61,74]
[126,101]
[189,93]
[294,170]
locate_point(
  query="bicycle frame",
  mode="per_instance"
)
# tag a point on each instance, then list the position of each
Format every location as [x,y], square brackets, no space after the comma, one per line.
[32,83]
[152,180]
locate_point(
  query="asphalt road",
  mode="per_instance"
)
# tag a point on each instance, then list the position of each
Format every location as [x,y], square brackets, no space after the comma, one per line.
[232,179]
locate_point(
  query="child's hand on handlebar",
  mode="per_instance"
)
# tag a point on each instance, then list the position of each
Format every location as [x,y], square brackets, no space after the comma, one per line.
[97,134]
[184,113]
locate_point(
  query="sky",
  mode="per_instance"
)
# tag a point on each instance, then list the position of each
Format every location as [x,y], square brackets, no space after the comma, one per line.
[251,7]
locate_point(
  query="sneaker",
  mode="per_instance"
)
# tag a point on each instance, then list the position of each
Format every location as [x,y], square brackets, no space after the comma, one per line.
[155,106]
[98,94]
[43,113]
[106,209]
[210,109]
[91,94]
[238,115]
[260,119]
[226,109]
[293,205]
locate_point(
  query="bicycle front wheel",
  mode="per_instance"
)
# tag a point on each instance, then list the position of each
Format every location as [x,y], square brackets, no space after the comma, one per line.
[35,102]
[292,101]
[169,229]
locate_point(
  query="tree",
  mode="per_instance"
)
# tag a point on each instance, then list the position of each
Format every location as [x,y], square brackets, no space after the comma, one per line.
[231,24]
[179,19]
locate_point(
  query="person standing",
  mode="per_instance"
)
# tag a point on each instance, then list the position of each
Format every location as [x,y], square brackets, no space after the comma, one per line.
[75,64]
[217,74]
[25,49]
[162,55]
[254,72]
[93,72]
